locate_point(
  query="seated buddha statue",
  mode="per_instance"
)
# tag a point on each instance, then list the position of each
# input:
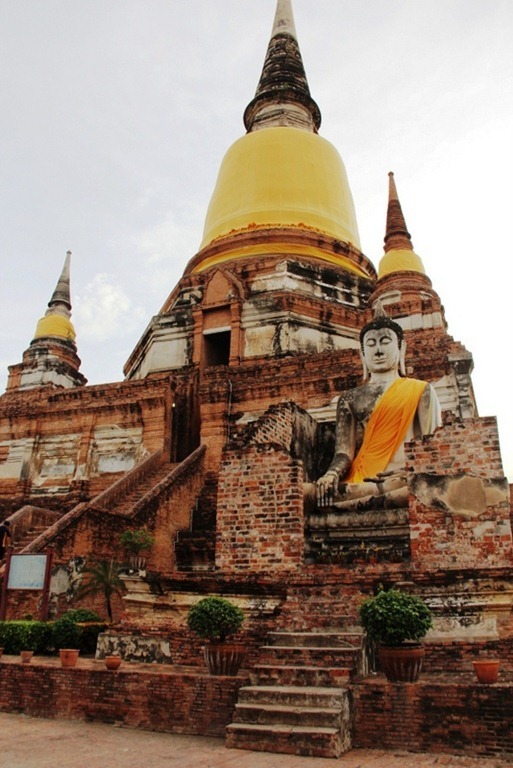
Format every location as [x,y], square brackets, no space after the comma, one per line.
[374,421]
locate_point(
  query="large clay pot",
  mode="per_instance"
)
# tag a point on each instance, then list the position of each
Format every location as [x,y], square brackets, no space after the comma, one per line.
[401,664]
[1,651]
[68,657]
[223,658]
[112,662]
[487,670]
[26,656]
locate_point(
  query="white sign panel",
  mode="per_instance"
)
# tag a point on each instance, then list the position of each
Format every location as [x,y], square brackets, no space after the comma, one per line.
[27,572]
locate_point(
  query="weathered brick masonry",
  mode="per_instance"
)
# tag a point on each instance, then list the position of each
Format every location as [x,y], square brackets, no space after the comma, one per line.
[153,697]
[224,420]
[435,715]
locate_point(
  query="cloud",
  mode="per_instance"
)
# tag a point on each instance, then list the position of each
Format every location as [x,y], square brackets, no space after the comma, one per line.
[105,311]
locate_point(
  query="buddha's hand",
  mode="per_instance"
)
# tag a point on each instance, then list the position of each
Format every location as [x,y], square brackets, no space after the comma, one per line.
[326,488]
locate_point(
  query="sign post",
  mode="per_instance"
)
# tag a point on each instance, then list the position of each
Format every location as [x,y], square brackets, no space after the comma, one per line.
[27,572]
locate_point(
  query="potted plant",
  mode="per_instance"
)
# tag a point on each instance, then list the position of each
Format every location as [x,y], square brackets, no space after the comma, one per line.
[135,541]
[215,619]
[66,639]
[487,670]
[112,661]
[397,621]
[68,656]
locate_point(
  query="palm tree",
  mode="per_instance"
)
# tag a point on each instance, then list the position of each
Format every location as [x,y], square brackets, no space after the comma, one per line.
[102,578]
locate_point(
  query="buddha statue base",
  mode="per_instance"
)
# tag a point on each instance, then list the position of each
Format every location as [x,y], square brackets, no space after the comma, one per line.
[370,528]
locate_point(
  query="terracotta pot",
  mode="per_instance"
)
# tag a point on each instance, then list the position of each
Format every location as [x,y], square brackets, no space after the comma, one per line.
[1,651]
[223,658]
[26,656]
[401,664]
[112,662]
[68,656]
[487,670]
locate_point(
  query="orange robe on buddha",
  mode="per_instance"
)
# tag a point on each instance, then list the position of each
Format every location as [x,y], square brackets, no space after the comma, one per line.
[386,429]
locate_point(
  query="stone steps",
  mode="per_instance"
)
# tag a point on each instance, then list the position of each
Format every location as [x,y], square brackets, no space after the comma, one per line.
[292,695]
[285,674]
[287,739]
[271,714]
[333,656]
[333,637]
[297,702]
[125,504]
[194,551]
[195,547]
[28,536]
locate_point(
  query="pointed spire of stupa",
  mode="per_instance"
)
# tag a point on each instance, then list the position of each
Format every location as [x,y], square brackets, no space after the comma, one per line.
[51,359]
[61,295]
[399,254]
[284,20]
[282,95]
[396,236]
[56,322]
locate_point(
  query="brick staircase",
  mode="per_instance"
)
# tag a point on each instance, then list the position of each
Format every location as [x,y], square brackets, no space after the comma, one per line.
[29,522]
[195,546]
[298,702]
[126,502]
[28,536]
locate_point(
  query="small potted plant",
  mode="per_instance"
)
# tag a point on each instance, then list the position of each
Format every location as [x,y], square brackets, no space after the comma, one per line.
[66,639]
[397,621]
[135,541]
[215,619]
[112,661]
[487,670]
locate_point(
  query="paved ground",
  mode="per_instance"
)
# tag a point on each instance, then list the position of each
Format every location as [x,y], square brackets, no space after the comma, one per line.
[27,742]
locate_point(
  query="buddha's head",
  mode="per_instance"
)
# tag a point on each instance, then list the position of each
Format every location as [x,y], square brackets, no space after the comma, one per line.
[382,345]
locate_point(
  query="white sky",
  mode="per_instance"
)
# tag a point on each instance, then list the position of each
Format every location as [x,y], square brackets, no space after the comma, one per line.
[115,115]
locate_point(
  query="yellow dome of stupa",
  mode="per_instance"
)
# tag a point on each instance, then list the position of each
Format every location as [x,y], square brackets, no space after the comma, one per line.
[282,176]
[55,326]
[400,260]
[281,188]
[399,254]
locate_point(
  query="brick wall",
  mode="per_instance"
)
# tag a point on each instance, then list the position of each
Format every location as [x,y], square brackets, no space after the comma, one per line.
[466,445]
[460,509]
[444,538]
[446,716]
[457,656]
[152,698]
[260,510]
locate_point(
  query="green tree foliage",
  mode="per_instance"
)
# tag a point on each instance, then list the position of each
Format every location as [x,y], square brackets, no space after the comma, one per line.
[136,540]
[102,578]
[393,617]
[78,628]
[215,618]
[16,636]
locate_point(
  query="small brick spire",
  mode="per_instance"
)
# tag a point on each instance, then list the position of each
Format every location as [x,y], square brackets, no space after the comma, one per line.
[396,236]
[282,95]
